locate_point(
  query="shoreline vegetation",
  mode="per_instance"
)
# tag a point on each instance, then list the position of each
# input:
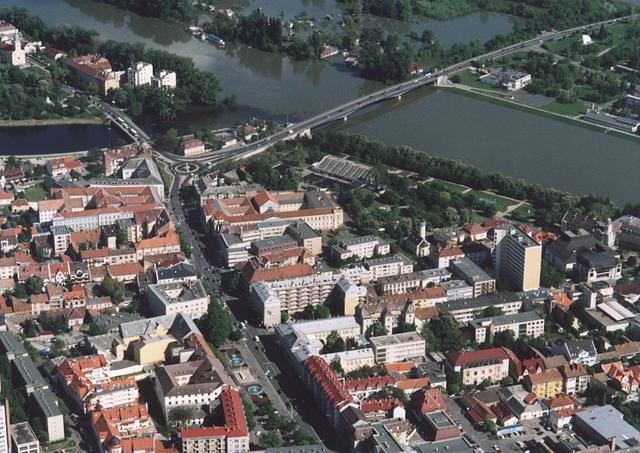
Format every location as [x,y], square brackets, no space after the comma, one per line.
[50,122]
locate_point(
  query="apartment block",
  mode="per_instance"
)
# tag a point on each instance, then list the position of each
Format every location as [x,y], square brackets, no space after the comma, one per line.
[140,73]
[188,298]
[23,439]
[546,384]
[476,366]
[518,258]
[473,275]
[232,437]
[360,247]
[388,266]
[528,324]
[466,310]
[397,347]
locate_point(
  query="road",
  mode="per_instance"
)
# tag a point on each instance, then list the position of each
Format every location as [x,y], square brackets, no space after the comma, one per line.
[344,110]
[251,350]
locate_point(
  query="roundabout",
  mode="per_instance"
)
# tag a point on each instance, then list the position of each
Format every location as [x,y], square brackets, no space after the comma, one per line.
[186,168]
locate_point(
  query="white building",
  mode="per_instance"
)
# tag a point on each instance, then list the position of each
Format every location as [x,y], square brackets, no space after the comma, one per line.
[23,439]
[5,447]
[397,347]
[360,247]
[47,405]
[140,73]
[164,79]
[528,324]
[388,266]
[187,297]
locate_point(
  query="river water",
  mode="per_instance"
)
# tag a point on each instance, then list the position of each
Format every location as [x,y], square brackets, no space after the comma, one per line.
[274,87]
[21,141]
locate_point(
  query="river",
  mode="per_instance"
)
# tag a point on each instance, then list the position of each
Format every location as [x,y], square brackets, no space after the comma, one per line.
[28,140]
[497,138]
[493,137]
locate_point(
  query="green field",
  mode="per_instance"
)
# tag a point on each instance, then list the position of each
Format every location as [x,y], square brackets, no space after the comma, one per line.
[450,186]
[35,193]
[573,109]
[499,202]
[524,213]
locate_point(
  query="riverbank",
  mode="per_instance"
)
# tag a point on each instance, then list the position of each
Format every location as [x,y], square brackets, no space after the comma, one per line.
[492,98]
[50,122]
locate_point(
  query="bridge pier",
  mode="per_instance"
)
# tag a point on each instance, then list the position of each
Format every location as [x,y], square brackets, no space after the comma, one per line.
[399,98]
[344,118]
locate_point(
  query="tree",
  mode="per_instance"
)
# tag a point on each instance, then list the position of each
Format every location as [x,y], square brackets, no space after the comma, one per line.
[113,288]
[444,334]
[337,367]
[505,339]
[247,406]
[377,329]
[316,312]
[169,141]
[491,311]
[34,285]
[550,277]
[506,381]
[333,343]
[270,439]
[216,324]
[284,317]
[178,416]
[489,426]
[122,236]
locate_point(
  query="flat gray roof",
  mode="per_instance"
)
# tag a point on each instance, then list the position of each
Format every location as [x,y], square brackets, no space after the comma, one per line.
[397,258]
[479,302]
[608,422]
[29,373]
[527,316]
[11,344]
[398,338]
[471,270]
[47,402]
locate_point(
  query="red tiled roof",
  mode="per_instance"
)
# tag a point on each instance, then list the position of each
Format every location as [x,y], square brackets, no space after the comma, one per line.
[462,359]
[234,420]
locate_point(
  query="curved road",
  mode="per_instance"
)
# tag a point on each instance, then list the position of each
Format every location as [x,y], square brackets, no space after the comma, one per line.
[390,92]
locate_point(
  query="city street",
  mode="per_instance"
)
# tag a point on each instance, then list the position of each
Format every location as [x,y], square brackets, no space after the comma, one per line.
[251,350]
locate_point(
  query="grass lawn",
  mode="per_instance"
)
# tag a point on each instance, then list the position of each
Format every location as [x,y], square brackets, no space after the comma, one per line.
[476,217]
[499,202]
[524,213]
[35,193]
[166,177]
[573,109]
[450,186]
[471,79]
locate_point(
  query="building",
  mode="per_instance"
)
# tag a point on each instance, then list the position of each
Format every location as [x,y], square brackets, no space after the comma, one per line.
[575,378]
[518,258]
[582,351]
[316,208]
[165,78]
[528,324]
[521,402]
[62,166]
[466,310]
[474,276]
[11,346]
[26,375]
[186,297]
[342,170]
[623,124]
[46,406]
[397,347]
[192,147]
[12,53]
[439,426]
[603,231]
[546,384]
[605,425]
[23,439]
[140,73]
[190,384]
[506,78]
[5,435]
[92,71]
[232,437]
[477,366]
[117,425]
[87,381]
[388,266]
[588,259]
[360,247]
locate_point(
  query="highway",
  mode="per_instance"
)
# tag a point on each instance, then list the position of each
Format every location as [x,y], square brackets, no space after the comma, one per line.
[344,110]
